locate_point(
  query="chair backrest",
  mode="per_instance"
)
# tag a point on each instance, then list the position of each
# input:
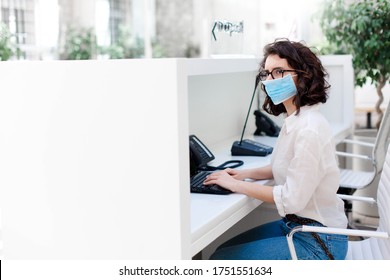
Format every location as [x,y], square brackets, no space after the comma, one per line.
[382,140]
[383,198]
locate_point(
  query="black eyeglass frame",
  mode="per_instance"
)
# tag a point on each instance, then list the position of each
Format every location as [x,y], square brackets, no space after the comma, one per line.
[263,75]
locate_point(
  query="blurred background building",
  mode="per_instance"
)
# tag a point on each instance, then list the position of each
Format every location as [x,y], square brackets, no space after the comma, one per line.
[43,29]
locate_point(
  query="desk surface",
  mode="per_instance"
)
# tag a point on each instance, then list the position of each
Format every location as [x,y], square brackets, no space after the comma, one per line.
[212,215]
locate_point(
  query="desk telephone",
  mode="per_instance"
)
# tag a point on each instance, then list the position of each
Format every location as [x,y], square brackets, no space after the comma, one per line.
[264,125]
[200,156]
[199,153]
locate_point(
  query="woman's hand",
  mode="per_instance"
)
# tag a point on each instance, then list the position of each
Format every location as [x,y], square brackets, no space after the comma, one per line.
[225,178]
[233,180]
[237,174]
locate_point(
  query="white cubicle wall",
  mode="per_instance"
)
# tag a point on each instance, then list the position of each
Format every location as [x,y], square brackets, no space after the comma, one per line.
[339,108]
[219,95]
[90,163]
[94,154]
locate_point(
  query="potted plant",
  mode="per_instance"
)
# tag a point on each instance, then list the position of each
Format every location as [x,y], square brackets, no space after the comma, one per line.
[125,46]
[361,28]
[80,44]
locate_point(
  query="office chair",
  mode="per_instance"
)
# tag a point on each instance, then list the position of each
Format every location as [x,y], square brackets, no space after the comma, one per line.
[352,180]
[377,244]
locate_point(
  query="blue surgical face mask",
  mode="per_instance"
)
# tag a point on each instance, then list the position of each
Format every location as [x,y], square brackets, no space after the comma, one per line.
[281,89]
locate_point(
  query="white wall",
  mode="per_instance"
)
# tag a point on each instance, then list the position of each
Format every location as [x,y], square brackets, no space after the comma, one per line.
[90,160]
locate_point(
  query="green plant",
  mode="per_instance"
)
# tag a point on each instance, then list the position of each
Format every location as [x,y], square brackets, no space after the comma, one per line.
[192,50]
[80,44]
[128,46]
[125,46]
[6,45]
[158,50]
[361,28]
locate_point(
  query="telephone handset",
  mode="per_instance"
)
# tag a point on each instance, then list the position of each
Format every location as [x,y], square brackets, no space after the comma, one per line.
[265,125]
[200,155]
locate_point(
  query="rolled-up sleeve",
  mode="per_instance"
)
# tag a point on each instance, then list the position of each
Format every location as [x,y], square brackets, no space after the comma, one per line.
[277,192]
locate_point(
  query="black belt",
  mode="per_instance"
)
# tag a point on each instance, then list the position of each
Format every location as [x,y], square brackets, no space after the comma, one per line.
[305,221]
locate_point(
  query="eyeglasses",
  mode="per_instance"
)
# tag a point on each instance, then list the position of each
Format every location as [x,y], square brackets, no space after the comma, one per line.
[275,73]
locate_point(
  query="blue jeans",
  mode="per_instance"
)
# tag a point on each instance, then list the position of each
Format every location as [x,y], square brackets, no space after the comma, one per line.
[269,242]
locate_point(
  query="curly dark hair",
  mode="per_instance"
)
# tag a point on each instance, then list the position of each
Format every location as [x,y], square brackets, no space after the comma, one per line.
[311,84]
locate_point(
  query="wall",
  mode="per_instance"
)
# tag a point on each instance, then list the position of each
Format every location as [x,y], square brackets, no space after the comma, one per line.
[90,160]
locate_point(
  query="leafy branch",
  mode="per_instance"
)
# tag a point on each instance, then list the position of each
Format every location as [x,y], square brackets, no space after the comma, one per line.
[361,28]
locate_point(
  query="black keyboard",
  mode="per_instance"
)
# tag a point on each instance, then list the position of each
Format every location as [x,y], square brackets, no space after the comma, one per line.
[197,186]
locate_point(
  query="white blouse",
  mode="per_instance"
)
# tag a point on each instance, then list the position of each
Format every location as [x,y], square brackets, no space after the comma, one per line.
[305,169]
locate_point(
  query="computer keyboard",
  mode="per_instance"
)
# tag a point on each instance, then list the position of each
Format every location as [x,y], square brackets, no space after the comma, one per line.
[197,186]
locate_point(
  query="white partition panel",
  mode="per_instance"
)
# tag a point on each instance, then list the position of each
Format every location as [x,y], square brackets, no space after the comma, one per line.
[219,95]
[89,165]
[339,109]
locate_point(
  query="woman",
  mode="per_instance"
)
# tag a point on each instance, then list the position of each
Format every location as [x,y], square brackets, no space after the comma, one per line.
[303,164]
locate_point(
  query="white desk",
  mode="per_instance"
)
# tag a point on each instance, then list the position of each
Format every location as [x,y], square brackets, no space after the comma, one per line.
[212,215]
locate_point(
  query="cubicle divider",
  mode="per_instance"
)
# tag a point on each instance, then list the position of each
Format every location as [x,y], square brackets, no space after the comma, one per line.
[91,159]
[94,154]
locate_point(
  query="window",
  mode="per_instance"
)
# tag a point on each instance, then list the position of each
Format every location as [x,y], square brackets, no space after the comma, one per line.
[118,9]
[19,17]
